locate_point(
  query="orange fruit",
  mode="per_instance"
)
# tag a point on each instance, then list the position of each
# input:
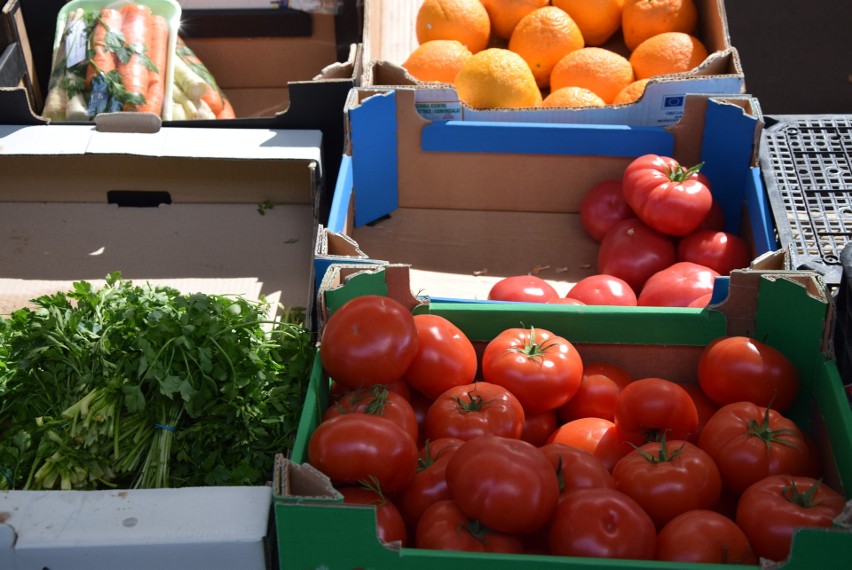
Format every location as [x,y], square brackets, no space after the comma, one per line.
[600,70]
[669,52]
[631,93]
[598,19]
[572,97]
[641,19]
[495,78]
[542,38]
[462,20]
[437,60]
[505,14]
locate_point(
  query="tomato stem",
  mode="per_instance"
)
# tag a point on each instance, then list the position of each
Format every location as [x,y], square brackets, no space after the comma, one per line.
[663,454]
[475,403]
[805,500]
[768,435]
[678,173]
[533,349]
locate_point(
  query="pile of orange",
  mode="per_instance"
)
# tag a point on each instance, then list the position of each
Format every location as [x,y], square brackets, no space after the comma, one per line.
[562,53]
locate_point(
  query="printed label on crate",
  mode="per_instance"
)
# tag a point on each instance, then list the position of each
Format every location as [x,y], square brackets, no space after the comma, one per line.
[440,110]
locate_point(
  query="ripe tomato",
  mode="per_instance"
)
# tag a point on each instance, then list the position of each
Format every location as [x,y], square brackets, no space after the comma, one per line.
[353,448]
[718,250]
[603,289]
[704,536]
[435,448]
[739,368]
[771,510]
[541,369]
[443,526]
[565,301]
[523,288]
[598,390]
[539,427]
[647,408]
[593,435]
[668,197]
[749,442]
[369,340]
[701,301]
[577,469]
[445,357]
[601,523]
[603,205]
[507,484]
[390,526]
[429,484]
[475,409]
[377,400]
[633,251]
[668,478]
[677,285]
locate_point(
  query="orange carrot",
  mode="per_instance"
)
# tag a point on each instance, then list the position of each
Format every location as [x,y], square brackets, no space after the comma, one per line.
[137,33]
[214,100]
[103,61]
[227,111]
[158,53]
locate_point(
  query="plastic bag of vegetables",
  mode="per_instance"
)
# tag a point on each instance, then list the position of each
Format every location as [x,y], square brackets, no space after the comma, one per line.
[112,56]
[195,94]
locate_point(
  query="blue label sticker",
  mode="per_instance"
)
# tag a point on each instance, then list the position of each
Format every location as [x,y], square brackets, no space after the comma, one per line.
[673,101]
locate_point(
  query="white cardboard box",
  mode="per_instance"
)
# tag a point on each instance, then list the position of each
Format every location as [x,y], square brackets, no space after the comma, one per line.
[210,528]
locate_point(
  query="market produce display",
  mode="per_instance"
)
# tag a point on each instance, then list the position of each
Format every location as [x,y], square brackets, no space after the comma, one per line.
[634,464]
[136,386]
[564,53]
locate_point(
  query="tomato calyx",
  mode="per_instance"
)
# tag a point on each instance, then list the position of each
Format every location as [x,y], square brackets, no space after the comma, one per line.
[766,433]
[476,529]
[805,500]
[678,173]
[373,484]
[532,349]
[663,455]
[426,460]
[474,404]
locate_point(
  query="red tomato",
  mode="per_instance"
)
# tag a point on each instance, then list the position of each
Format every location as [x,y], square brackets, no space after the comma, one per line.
[444,526]
[507,484]
[601,523]
[577,469]
[593,435]
[677,285]
[353,448]
[705,407]
[771,510]
[539,427]
[701,301]
[541,369]
[739,368]
[377,400]
[603,289]
[430,482]
[565,301]
[598,390]
[523,288]
[480,408]
[668,197]
[649,407]
[749,442]
[668,478]
[704,536]
[720,251]
[390,526]
[633,251]
[435,448]
[603,205]
[369,340]
[445,357]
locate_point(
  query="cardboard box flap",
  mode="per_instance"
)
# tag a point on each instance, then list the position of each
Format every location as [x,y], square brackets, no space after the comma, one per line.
[301,482]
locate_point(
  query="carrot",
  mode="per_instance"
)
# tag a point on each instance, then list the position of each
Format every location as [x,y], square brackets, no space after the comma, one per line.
[157,53]
[136,27]
[214,100]
[227,111]
[103,60]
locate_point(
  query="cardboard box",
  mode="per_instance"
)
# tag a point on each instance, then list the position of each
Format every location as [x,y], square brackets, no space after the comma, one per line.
[280,68]
[214,528]
[467,203]
[80,203]
[788,309]
[389,38]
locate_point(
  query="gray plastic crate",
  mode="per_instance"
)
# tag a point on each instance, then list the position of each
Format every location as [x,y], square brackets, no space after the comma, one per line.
[806,162]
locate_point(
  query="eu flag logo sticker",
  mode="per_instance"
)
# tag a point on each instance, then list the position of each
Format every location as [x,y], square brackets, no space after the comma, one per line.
[673,101]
